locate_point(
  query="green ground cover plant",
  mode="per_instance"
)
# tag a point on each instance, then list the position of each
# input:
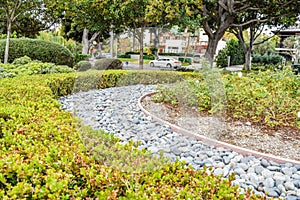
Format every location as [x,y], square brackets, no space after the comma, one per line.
[47,154]
[26,66]
[265,98]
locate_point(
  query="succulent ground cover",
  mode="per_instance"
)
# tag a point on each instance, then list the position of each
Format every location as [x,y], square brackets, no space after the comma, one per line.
[45,154]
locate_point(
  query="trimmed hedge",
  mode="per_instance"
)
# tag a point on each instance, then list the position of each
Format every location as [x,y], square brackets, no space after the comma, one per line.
[41,50]
[43,154]
[62,85]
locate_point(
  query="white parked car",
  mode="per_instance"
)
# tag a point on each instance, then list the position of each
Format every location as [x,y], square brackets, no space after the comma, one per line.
[165,62]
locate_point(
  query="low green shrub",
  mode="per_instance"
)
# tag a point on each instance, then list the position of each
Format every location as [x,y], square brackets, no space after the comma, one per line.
[108,63]
[62,84]
[22,61]
[267,98]
[30,68]
[264,67]
[267,59]
[83,66]
[43,154]
[124,56]
[41,50]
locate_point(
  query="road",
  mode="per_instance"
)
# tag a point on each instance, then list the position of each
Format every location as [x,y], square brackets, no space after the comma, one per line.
[133,66]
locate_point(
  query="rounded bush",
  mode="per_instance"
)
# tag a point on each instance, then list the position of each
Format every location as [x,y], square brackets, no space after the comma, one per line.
[83,65]
[41,50]
[22,61]
[108,63]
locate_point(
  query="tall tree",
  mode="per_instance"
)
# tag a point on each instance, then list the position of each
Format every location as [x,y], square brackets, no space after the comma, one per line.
[40,12]
[258,17]
[140,14]
[218,15]
[87,21]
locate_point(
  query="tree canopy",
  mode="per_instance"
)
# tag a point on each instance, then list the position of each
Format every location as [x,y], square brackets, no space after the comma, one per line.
[260,15]
[28,16]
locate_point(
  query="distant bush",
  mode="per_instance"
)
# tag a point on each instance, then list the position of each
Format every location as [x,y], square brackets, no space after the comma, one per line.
[267,58]
[83,66]
[266,61]
[108,63]
[124,56]
[234,50]
[81,57]
[221,59]
[41,50]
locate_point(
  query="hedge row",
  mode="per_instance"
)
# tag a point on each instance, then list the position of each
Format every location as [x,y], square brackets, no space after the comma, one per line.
[45,152]
[41,50]
[62,85]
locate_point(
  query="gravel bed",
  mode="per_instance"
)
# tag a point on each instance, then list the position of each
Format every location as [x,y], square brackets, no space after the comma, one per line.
[116,110]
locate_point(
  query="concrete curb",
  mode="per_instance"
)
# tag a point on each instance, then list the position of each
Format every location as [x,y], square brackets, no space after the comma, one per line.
[215,143]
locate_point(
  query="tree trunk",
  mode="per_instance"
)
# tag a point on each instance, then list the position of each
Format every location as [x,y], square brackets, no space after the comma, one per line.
[156,41]
[112,40]
[7,41]
[100,49]
[141,41]
[187,47]
[211,49]
[85,41]
[133,40]
[248,60]
[247,49]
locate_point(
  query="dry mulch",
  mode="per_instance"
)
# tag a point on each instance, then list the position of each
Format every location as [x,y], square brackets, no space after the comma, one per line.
[283,142]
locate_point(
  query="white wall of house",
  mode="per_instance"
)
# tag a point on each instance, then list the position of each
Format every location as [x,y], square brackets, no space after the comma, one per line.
[221,45]
[174,46]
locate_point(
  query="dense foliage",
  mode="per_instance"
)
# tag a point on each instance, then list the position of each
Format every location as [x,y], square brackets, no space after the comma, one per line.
[37,50]
[267,59]
[266,62]
[25,66]
[266,98]
[45,152]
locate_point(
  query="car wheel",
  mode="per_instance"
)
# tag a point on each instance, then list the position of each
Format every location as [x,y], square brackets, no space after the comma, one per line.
[151,64]
[169,65]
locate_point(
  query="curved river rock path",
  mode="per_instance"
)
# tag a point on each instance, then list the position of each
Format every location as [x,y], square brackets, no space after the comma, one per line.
[116,110]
